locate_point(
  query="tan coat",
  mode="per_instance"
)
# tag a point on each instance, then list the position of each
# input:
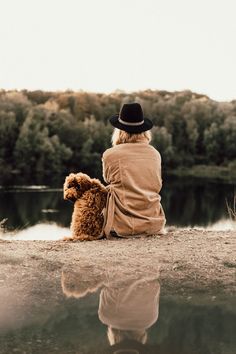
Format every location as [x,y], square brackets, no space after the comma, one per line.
[134,307]
[133,172]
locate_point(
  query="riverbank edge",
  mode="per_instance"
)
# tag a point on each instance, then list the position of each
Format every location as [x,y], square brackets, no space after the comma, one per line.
[211,173]
[223,174]
[190,261]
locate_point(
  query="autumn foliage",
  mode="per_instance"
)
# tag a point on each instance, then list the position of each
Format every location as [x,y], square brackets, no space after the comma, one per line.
[46,135]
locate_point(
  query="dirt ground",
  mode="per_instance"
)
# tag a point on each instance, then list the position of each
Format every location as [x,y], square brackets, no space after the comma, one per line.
[189,260]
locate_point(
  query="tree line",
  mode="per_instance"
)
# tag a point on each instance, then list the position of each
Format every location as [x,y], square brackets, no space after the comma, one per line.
[46,135]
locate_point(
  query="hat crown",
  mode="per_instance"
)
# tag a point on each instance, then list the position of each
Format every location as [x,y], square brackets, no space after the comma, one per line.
[131,119]
[131,113]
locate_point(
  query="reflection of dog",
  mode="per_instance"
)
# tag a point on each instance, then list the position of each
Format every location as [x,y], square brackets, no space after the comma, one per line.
[89,196]
[79,284]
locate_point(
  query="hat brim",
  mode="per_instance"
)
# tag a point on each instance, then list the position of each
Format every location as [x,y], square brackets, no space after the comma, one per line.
[133,129]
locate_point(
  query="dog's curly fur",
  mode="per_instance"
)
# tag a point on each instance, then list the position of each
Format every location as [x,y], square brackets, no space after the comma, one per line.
[89,196]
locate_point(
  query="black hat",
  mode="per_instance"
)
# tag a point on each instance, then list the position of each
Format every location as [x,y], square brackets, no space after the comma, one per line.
[131,119]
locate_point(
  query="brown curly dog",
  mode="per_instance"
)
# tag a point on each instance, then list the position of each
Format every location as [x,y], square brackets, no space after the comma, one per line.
[89,196]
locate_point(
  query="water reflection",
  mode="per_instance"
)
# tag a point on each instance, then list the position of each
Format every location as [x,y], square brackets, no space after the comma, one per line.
[89,309]
[186,203]
[196,203]
[23,209]
[40,231]
[128,305]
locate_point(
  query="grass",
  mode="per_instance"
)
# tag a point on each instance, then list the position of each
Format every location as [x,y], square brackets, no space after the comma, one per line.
[2,225]
[232,209]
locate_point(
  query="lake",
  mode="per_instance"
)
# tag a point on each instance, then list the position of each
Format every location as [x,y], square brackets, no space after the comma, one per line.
[84,310]
[40,212]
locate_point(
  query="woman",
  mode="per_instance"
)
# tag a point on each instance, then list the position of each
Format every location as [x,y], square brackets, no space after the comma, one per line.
[132,168]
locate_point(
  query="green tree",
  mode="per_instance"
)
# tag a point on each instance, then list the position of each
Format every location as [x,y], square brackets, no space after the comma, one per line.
[38,155]
[214,144]
[162,141]
[229,136]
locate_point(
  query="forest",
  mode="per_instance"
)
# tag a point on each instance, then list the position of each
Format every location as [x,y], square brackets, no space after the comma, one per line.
[46,135]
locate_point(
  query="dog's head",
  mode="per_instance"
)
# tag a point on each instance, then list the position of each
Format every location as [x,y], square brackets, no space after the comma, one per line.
[79,284]
[76,184]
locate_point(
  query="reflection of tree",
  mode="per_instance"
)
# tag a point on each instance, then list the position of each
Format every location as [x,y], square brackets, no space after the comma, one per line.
[199,326]
[24,209]
[187,203]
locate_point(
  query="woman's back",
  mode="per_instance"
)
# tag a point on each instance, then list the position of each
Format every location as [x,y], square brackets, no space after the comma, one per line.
[134,162]
[133,171]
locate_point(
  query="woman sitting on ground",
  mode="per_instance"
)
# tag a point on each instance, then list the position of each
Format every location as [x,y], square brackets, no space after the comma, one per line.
[132,169]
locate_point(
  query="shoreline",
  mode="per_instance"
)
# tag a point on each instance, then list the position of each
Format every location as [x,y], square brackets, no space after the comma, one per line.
[190,261]
[211,173]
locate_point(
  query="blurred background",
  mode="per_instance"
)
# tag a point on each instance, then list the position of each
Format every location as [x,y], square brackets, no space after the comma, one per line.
[67,66]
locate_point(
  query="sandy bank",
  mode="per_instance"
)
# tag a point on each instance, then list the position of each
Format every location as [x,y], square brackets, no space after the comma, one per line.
[189,260]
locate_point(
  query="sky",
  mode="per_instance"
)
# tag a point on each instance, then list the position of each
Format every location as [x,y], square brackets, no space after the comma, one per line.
[130,45]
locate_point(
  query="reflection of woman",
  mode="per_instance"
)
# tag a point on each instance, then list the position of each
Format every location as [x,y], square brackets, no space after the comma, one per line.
[132,168]
[130,310]
[127,306]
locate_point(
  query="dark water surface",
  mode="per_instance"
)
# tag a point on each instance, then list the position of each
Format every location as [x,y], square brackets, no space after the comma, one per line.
[86,311]
[186,203]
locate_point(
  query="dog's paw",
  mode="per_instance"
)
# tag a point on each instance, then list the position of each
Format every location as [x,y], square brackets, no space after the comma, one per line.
[76,239]
[85,237]
[68,239]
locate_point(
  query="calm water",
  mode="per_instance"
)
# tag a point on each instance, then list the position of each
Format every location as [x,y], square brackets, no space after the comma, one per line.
[85,311]
[186,203]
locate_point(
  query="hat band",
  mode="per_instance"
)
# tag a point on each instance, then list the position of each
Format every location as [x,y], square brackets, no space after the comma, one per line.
[131,124]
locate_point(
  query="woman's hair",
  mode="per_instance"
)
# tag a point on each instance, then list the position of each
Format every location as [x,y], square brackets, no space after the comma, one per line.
[117,335]
[122,137]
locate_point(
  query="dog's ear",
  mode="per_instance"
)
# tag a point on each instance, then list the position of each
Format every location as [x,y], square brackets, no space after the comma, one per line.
[73,183]
[83,182]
